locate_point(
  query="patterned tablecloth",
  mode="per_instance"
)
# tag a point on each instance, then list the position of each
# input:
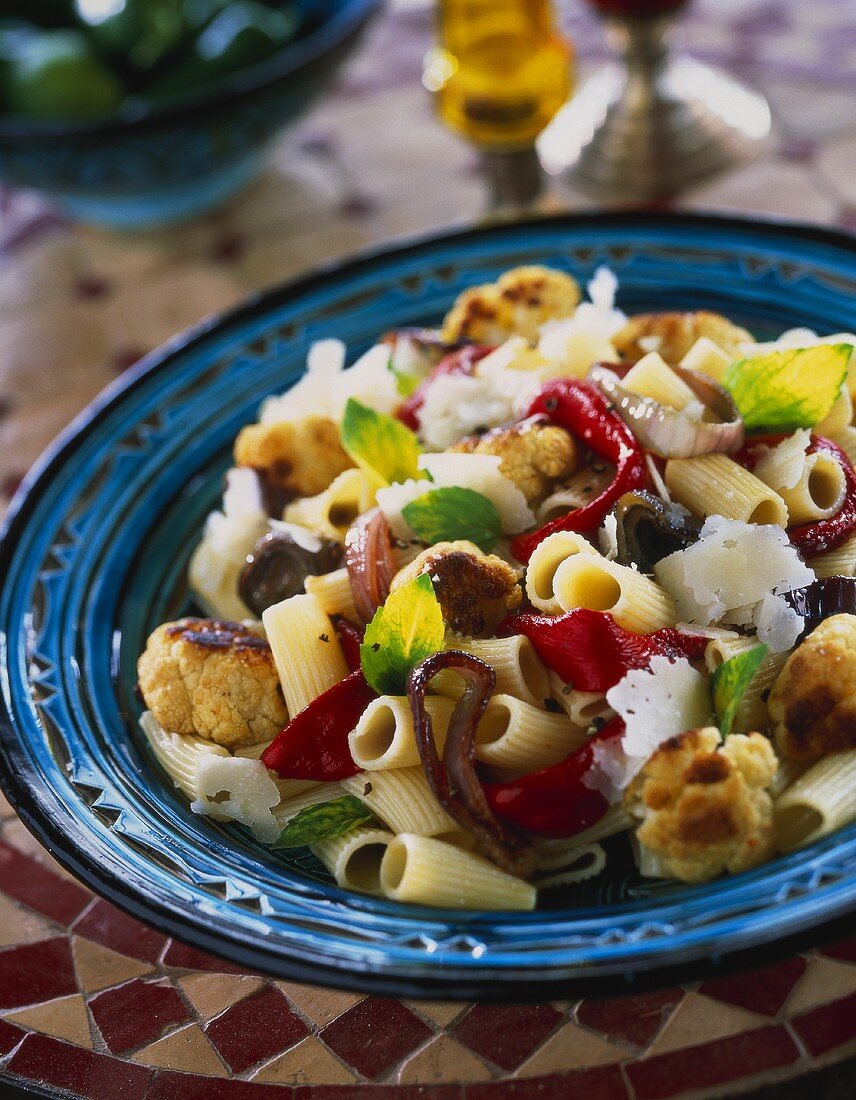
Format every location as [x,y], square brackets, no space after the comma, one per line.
[99,1005]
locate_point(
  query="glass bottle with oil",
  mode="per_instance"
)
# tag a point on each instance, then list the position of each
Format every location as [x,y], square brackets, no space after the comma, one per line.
[501,70]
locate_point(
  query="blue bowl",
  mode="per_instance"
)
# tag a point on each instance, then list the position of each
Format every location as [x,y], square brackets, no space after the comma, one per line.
[94,557]
[154,165]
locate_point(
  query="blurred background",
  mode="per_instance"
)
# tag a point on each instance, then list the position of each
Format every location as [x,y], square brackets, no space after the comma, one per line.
[229,146]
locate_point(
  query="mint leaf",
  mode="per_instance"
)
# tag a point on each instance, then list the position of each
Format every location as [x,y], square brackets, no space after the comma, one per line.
[786,390]
[407,629]
[379,443]
[405,383]
[729,683]
[323,821]
[444,515]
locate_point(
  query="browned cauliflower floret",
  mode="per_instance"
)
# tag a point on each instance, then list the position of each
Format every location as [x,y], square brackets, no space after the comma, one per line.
[213,679]
[475,590]
[813,702]
[521,300]
[676,333]
[704,808]
[296,458]
[535,455]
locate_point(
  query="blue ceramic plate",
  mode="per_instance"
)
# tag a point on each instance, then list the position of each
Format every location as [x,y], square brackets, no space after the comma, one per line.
[95,554]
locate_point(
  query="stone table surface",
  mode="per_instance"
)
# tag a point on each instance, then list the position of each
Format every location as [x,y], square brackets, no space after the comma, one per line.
[93,1003]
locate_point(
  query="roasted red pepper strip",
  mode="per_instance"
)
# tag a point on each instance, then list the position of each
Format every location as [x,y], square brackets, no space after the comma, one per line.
[815,538]
[582,409]
[350,639]
[555,801]
[589,650]
[314,744]
[462,361]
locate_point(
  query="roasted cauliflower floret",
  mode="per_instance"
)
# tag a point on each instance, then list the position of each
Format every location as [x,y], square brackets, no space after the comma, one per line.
[296,458]
[704,808]
[521,300]
[673,334]
[813,702]
[535,455]
[214,679]
[475,590]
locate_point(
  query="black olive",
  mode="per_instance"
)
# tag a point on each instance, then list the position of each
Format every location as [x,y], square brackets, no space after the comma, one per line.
[278,567]
[649,530]
[822,598]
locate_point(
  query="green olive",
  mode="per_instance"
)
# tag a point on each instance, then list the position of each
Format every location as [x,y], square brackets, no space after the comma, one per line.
[60,74]
[138,33]
[243,33]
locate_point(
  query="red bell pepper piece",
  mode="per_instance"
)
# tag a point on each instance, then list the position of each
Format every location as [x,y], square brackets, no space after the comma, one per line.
[591,651]
[582,409]
[815,538]
[555,801]
[462,361]
[314,744]
[350,639]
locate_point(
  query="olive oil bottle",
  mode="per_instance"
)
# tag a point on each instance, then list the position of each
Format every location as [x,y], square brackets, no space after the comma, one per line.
[500,72]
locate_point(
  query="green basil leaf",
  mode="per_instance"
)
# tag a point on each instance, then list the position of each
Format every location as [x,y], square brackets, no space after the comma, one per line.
[379,443]
[407,629]
[729,683]
[790,389]
[444,515]
[323,821]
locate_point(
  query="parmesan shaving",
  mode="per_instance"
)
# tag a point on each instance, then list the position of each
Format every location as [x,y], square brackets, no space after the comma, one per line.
[784,463]
[250,794]
[656,703]
[733,566]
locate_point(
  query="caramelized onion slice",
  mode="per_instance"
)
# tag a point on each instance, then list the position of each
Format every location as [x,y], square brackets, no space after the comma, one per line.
[454,781]
[671,433]
[369,560]
[822,598]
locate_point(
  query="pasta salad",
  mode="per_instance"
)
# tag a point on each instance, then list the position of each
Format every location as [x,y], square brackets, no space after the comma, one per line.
[504,589]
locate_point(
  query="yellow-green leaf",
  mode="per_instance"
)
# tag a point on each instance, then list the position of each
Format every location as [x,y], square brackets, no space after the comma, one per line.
[379,443]
[407,629]
[729,683]
[789,389]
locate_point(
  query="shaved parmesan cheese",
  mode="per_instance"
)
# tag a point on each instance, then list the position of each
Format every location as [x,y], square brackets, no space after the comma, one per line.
[250,794]
[778,624]
[656,703]
[782,466]
[311,395]
[607,537]
[457,405]
[368,381]
[576,343]
[228,537]
[734,565]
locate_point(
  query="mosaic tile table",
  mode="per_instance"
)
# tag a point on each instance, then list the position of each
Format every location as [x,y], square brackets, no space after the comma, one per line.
[95,1004]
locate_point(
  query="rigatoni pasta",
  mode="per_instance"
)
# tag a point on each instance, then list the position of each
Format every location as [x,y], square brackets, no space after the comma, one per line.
[307,655]
[715,485]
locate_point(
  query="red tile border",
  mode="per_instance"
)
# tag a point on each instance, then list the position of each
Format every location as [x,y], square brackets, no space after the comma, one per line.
[36,972]
[137,1012]
[636,1018]
[96,1076]
[39,887]
[600,1083]
[764,990]
[383,1092]
[709,1064]
[170,1085]
[506,1034]
[827,1026]
[10,1036]
[375,1034]
[255,1028]
[109,926]
[183,957]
